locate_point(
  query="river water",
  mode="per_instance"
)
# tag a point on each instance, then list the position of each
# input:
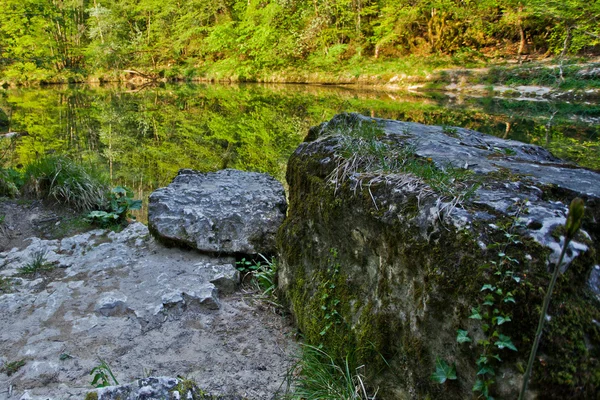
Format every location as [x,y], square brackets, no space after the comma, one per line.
[141,136]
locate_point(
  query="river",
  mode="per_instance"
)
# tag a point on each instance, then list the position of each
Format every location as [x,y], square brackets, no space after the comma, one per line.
[141,136]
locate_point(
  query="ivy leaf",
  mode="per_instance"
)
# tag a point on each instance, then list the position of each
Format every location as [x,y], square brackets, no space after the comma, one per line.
[497,357]
[475,314]
[479,385]
[487,286]
[484,388]
[463,336]
[443,371]
[489,300]
[482,360]
[500,319]
[504,341]
[516,279]
[509,299]
[486,370]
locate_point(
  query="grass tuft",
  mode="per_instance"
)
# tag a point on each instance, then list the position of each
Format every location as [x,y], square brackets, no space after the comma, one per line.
[10,368]
[316,375]
[65,181]
[366,151]
[37,265]
[5,285]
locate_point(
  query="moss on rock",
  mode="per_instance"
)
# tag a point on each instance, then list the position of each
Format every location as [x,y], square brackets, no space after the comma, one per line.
[384,271]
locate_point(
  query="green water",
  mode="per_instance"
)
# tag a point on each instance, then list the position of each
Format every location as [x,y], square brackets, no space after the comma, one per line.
[141,136]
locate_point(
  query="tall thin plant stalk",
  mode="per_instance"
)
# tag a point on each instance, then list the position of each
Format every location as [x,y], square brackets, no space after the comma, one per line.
[576,212]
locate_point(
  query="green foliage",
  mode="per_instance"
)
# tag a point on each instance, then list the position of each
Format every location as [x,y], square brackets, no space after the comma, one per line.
[91,396]
[67,182]
[317,375]
[10,368]
[5,285]
[246,266]
[8,183]
[37,265]
[564,76]
[463,336]
[64,41]
[443,371]
[103,375]
[494,311]
[120,203]
[263,274]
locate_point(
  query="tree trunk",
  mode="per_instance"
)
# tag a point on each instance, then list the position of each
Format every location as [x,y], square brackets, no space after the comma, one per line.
[566,43]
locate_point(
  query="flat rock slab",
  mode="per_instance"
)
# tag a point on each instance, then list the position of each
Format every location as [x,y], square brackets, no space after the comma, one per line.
[160,387]
[143,308]
[225,212]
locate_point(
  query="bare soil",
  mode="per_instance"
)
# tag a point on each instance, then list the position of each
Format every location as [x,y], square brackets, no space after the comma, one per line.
[24,219]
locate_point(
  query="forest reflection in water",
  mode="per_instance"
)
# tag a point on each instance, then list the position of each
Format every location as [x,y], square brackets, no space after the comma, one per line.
[142,136]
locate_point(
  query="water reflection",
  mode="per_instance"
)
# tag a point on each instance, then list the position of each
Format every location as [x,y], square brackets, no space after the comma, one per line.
[141,136]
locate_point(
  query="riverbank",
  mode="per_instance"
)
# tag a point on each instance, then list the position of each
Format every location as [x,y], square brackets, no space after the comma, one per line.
[538,78]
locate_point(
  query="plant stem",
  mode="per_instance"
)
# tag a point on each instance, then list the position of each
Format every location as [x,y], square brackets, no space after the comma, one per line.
[540,328]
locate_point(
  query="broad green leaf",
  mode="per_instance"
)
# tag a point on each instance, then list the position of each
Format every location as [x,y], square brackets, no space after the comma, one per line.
[443,371]
[135,205]
[463,336]
[486,370]
[479,385]
[488,286]
[500,319]
[504,341]
[475,314]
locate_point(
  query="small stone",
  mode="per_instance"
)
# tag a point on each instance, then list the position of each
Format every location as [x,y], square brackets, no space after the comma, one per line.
[111,305]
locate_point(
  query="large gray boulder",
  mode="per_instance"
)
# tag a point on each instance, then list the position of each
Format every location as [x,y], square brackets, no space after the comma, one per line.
[395,229]
[224,212]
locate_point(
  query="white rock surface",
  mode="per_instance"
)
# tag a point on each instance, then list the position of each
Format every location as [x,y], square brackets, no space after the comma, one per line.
[141,307]
[223,212]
